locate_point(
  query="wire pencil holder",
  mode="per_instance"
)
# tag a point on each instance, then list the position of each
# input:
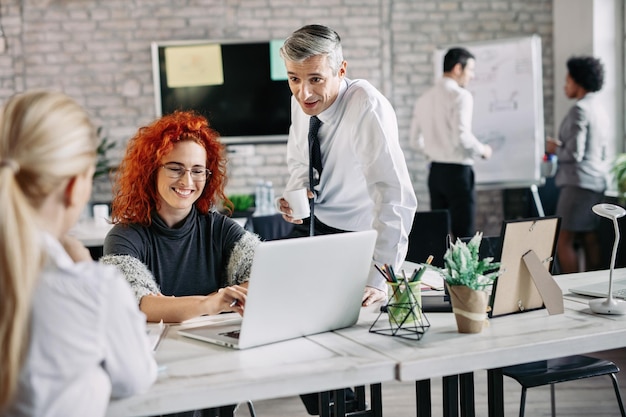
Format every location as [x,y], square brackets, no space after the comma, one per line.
[404,311]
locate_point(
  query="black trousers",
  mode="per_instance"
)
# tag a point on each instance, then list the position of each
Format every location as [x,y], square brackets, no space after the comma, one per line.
[303,230]
[451,187]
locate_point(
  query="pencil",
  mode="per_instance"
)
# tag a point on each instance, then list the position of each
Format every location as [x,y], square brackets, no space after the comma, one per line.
[406,281]
[382,273]
[418,276]
[392,274]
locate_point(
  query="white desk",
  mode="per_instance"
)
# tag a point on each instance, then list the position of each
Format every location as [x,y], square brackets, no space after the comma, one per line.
[200,375]
[508,340]
[241,221]
[90,232]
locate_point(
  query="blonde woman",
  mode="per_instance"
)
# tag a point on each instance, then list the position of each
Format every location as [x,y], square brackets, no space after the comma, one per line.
[71,334]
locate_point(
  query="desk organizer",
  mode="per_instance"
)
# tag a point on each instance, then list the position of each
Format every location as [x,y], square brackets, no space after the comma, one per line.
[405,316]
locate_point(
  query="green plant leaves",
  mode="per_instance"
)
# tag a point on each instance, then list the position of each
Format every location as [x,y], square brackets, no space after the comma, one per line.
[462,266]
[103,164]
[241,202]
[619,172]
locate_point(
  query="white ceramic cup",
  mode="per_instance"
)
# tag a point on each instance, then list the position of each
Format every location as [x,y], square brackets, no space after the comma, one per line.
[298,201]
[101,213]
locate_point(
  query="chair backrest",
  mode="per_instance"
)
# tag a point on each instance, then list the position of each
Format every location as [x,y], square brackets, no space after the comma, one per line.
[429,236]
[490,246]
[271,227]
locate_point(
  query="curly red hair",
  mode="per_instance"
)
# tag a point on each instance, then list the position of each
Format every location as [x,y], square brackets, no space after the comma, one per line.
[135,191]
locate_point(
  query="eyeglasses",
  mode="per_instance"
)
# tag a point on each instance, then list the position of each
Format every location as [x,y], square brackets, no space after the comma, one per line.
[174,170]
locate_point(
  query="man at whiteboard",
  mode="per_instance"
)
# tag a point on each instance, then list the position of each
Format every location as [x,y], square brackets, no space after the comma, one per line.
[442,129]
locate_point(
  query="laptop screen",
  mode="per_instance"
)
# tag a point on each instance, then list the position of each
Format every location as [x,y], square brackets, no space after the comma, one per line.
[302,286]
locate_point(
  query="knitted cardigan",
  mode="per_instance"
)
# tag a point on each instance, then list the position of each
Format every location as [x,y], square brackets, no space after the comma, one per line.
[142,280]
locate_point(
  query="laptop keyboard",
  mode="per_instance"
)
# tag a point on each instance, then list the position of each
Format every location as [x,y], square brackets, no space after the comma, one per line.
[234,334]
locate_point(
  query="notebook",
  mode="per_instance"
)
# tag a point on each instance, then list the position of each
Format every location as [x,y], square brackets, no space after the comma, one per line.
[298,287]
[439,303]
[601,289]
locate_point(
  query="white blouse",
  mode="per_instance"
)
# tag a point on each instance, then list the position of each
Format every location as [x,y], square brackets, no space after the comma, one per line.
[88,341]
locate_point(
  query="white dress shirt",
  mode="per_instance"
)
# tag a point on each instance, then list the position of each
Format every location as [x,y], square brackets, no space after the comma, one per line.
[365,183]
[441,127]
[87,343]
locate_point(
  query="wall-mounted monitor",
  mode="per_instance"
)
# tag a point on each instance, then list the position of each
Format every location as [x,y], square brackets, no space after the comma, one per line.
[239,86]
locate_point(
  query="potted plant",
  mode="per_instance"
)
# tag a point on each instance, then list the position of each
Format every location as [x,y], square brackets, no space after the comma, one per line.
[241,204]
[101,192]
[103,163]
[467,277]
[619,174]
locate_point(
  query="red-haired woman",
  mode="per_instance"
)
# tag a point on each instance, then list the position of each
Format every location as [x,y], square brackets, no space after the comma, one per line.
[182,258]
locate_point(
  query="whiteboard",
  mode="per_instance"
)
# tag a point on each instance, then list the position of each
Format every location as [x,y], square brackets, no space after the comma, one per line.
[508,110]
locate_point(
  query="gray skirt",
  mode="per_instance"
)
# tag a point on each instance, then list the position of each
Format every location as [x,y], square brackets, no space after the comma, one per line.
[574,208]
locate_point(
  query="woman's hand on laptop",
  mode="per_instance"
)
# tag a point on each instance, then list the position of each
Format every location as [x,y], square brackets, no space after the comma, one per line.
[372,295]
[232,298]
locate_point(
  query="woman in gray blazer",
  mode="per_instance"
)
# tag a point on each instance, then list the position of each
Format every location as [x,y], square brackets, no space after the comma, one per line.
[582,171]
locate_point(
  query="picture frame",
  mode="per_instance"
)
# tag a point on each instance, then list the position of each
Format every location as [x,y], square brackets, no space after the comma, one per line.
[521,286]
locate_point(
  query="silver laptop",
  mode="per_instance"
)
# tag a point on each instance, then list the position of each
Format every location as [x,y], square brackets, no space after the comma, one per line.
[298,287]
[601,289]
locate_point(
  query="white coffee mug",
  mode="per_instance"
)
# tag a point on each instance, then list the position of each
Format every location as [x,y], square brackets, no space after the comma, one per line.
[298,202]
[101,213]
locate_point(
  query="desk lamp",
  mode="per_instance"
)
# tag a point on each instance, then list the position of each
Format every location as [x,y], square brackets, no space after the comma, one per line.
[609,305]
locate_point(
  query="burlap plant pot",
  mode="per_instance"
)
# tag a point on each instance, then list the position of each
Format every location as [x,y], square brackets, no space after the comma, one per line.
[469,307]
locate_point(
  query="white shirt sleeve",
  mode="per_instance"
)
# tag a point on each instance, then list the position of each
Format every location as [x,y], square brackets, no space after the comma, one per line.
[463,116]
[416,138]
[388,185]
[129,360]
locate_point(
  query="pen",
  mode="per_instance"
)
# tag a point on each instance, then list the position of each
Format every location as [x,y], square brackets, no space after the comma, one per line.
[234,302]
[381,271]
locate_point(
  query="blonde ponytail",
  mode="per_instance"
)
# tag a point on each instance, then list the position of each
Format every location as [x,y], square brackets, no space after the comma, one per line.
[45,138]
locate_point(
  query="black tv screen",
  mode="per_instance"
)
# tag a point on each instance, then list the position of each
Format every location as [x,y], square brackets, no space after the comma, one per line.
[240,87]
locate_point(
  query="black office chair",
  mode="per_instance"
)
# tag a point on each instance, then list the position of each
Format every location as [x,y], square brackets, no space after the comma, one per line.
[429,236]
[225,411]
[270,227]
[553,371]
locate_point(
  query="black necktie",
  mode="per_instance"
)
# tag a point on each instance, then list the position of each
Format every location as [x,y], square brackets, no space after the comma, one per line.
[315,163]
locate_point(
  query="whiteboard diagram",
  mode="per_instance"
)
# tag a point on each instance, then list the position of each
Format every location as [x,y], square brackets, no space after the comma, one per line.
[508,109]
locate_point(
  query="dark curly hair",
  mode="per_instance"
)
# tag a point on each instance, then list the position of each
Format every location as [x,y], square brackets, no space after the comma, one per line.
[587,72]
[135,191]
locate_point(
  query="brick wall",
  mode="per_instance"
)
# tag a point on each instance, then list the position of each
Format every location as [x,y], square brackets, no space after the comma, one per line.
[98,51]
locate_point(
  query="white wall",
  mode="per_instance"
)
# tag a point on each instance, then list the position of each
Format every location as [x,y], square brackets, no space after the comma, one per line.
[591,27]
